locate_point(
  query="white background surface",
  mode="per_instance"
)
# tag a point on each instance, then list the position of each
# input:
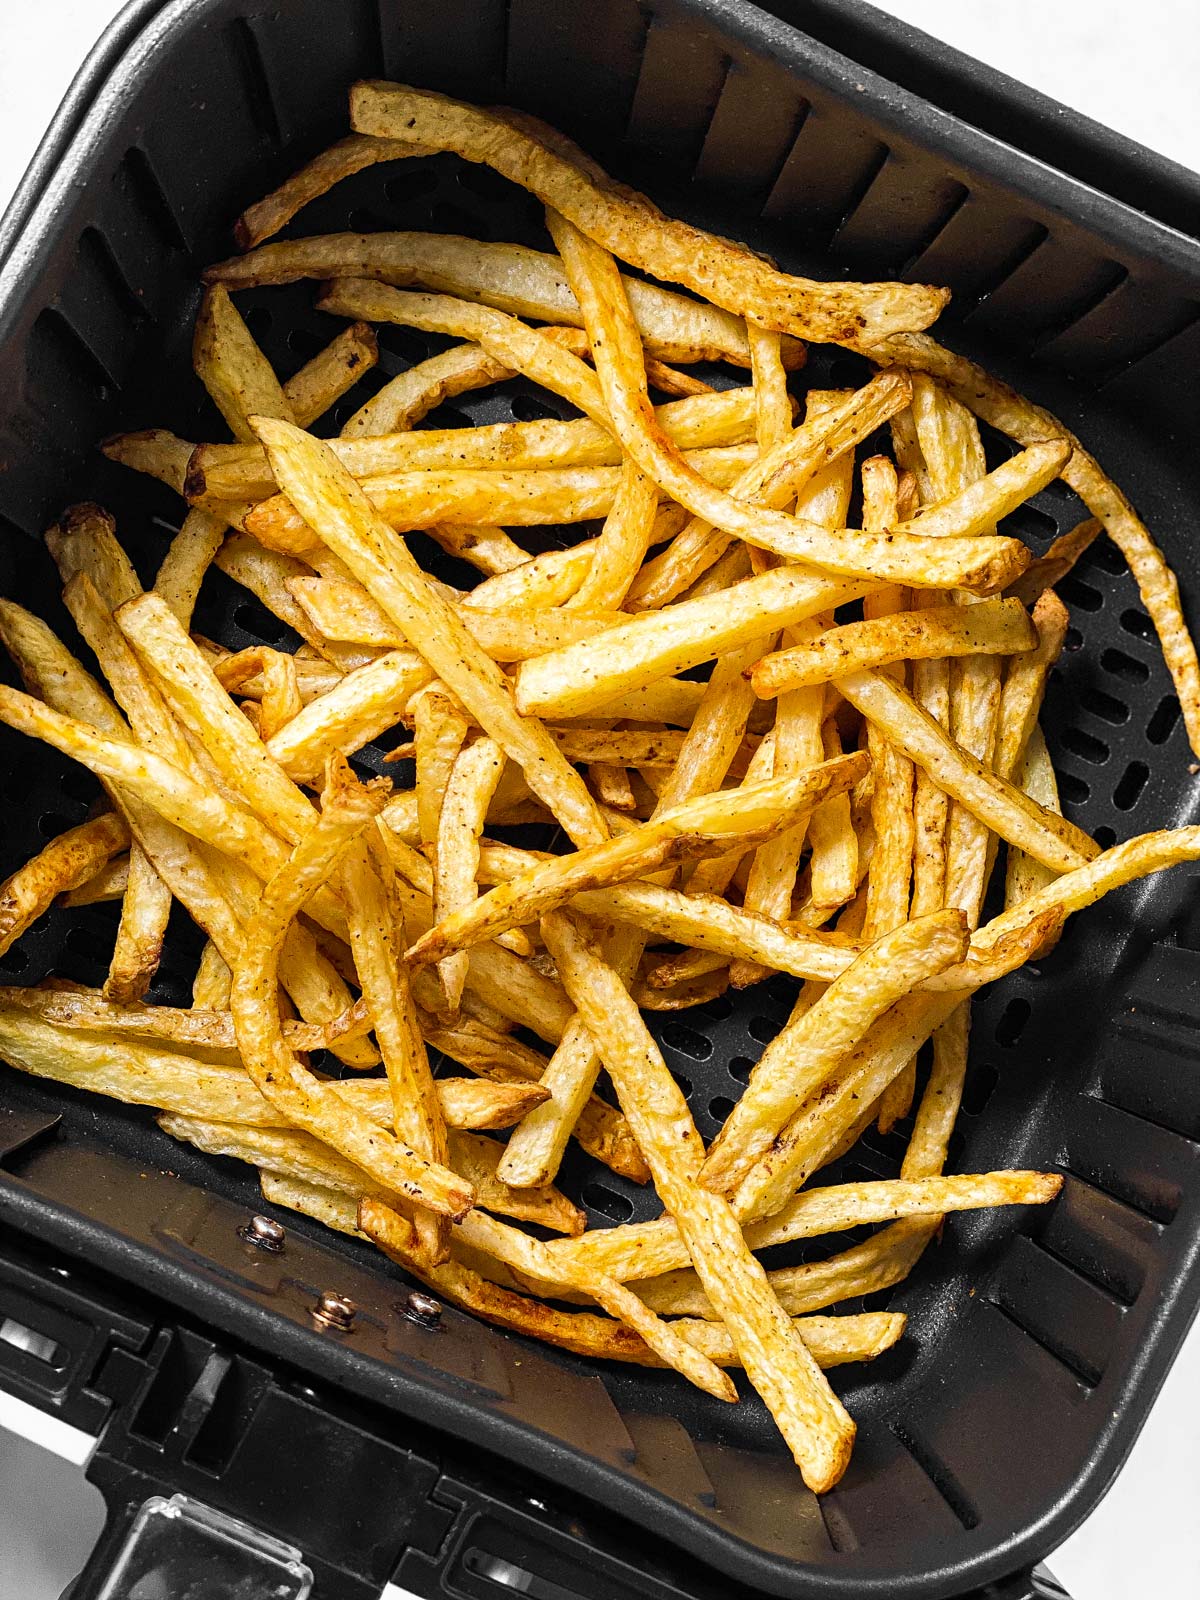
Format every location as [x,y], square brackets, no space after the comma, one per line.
[1134,67]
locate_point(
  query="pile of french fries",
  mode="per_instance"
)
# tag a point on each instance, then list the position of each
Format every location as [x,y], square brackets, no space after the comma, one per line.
[829,799]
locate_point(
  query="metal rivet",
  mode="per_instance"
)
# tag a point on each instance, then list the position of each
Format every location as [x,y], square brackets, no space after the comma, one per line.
[422,1307]
[264,1233]
[335,1311]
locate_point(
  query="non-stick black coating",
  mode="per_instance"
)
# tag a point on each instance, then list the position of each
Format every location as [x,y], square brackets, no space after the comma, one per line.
[1036,1340]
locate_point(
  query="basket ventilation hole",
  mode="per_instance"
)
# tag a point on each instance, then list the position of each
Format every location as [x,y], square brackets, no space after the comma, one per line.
[1073,789]
[599,1197]
[1084,745]
[52,823]
[1162,723]
[1107,557]
[1078,593]
[259,320]
[528,408]
[1105,706]
[14,960]
[684,1082]
[719,1107]
[415,181]
[1012,1022]
[1105,837]
[977,1091]
[1072,639]
[686,1040]
[1137,623]
[1133,781]
[740,1068]
[763,1029]
[1123,666]
[86,942]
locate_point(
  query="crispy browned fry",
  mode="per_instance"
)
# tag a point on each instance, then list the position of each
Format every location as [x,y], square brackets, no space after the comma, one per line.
[64,864]
[231,366]
[821,1033]
[439,732]
[1025,684]
[510,277]
[1003,408]
[992,799]
[773,480]
[334,504]
[577,680]
[315,178]
[815,1425]
[213,981]
[240,472]
[414,393]
[994,627]
[281,693]
[137,951]
[699,827]
[637,231]
[335,369]
[477,1159]
[1024,876]
[267,573]
[976,563]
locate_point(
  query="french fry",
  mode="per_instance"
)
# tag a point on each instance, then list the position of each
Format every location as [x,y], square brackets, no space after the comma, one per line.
[240,472]
[1025,684]
[468,793]
[813,1422]
[232,368]
[361,706]
[349,808]
[157,452]
[774,479]
[315,178]
[1047,570]
[413,394]
[976,563]
[577,680]
[699,827]
[526,283]
[212,983]
[63,865]
[994,627]
[813,1042]
[632,228]
[992,799]
[322,381]
[1021,419]
[439,732]
[1025,877]
[108,883]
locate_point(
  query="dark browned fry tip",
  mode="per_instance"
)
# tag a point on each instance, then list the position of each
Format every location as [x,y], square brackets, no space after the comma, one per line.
[365,332]
[194,483]
[243,237]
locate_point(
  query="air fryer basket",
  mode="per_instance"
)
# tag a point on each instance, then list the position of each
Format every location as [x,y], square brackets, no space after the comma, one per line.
[1036,1341]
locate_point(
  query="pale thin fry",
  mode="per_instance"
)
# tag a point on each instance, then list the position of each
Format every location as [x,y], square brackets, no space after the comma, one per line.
[995,627]
[64,864]
[145,909]
[267,573]
[578,680]
[816,1427]
[772,403]
[637,231]
[315,178]
[108,883]
[157,452]
[699,827]
[467,794]
[232,368]
[360,707]
[322,381]
[413,394]
[510,277]
[834,863]
[622,544]
[1025,684]
[609,779]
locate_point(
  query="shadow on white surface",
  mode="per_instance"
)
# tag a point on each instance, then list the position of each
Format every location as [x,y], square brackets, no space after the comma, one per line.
[51,1518]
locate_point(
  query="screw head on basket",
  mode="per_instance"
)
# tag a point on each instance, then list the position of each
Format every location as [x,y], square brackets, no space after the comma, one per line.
[334,1310]
[421,1307]
[264,1233]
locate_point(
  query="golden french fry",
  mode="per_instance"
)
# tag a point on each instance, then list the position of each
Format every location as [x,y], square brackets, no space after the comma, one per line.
[66,863]
[107,883]
[315,178]
[635,230]
[334,504]
[332,372]
[231,366]
[240,472]
[1047,570]
[577,680]
[439,732]
[468,793]
[157,452]
[699,827]
[814,1041]
[360,706]
[1025,684]
[994,627]
[1025,877]
[212,983]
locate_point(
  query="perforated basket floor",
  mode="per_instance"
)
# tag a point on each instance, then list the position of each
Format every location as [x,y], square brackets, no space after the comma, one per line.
[1035,1340]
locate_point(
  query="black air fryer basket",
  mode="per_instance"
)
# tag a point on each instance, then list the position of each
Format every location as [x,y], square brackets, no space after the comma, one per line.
[456,1458]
